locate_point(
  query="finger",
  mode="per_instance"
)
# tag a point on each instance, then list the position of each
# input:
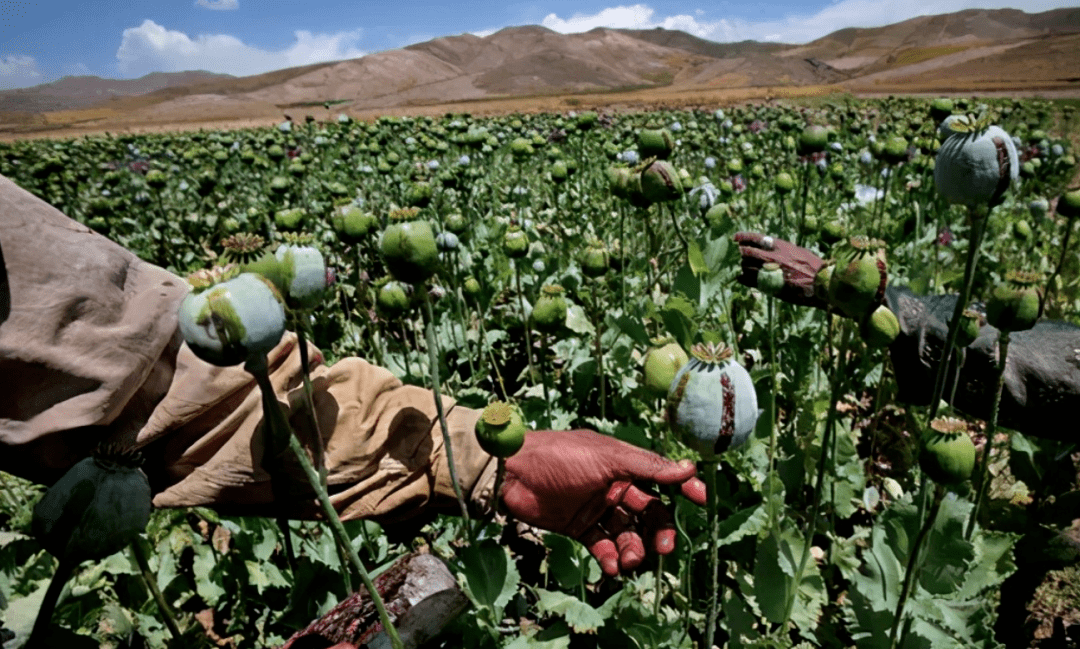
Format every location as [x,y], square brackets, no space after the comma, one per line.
[694,489]
[748,238]
[646,465]
[604,549]
[636,500]
[627,541]
[659,523]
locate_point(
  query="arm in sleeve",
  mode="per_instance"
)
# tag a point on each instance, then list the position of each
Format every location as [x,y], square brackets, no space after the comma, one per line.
[90,352]
[380,441]
[1042,373]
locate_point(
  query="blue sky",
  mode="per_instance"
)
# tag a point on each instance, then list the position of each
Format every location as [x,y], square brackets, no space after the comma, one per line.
[43,40]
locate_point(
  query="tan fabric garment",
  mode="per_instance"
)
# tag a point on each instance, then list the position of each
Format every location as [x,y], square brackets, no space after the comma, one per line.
[90,351]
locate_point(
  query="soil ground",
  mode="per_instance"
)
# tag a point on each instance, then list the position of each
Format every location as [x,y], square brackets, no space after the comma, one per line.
[68,124]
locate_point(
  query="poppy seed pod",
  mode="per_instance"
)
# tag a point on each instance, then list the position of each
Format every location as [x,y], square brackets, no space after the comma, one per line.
[455,223]
[656,143]
[1016,303]
[446,241]
[663,360]
[858,280]
[471,287]
[549,312]
[814,139]
[409,250]
[711,403]
[291,219]
[95,509]
[515,243]
[970,323]
[770,278]
[880,328]
[975,167]
[596,260]
[234,321]
[305,274]
[660,182]
[947,454]
[501,429]
[896,150]
[784,182]
[1069,204]
[392,299]
[352,224]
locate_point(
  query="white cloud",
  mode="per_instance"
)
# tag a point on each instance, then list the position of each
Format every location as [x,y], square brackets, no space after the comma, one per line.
[77,70]
[153,48]
[220,5]
[18,71]
[791,28]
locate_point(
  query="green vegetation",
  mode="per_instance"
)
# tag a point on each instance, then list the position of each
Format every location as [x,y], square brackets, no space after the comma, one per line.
[827,531]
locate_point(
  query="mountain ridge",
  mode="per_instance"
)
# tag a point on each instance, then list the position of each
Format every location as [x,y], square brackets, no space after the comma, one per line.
[978,47]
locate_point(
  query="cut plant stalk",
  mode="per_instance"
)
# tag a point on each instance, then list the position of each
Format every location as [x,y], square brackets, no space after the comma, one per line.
[978,218]
[64,570]
[151,584]
[433,361]
[826,445]
[280,431]
[912,564]
[710,467]
[991,430]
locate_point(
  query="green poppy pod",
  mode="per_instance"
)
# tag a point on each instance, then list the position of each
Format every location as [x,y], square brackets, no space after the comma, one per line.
[97,508]
[1016,303]
[711,402]
[662,362]
[234,321]
[515,243]
[1068,204]
[549,312]
[947,454]
[408,248]
[975,168]
[656,143]
[352,224]
[660,182]
[501,429]
[879,328]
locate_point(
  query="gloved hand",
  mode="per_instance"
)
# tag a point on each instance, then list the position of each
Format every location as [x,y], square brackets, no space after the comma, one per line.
[799,266]
[580,483]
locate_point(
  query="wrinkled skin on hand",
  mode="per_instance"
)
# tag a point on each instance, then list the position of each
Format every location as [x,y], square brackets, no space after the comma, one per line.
[799,266]
[581,483]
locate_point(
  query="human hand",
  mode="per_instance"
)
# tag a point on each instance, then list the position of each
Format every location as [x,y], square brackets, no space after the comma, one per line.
[580,483]
[799,266]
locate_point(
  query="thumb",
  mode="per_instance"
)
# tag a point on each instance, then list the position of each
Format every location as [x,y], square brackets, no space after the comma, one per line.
[646,465]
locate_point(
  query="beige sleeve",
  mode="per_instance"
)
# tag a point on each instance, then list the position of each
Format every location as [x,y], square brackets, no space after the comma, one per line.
[382,442]
[89,351]
[86,348]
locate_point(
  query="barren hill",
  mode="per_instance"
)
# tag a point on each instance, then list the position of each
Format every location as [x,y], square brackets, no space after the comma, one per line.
[80,91]
[966,51]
